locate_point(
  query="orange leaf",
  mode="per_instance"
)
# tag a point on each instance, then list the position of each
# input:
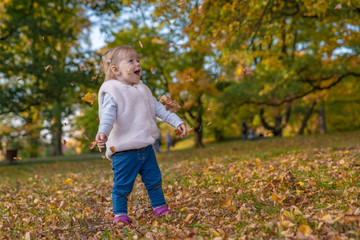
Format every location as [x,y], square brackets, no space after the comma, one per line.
[190,131]
[151,68]
[112,149]
[189,79]
[247,72]
[141,44]
[304,229]
[93,144]
[178,132]
[89,97]
[47,67]
[82,68]
[94,77]
[17,158]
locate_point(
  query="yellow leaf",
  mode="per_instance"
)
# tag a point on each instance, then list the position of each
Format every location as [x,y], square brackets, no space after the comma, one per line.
[155,223]
[89,97]
[226,203]
[304,229]
[188,217]
[301,184]
[37,201]
[69,181]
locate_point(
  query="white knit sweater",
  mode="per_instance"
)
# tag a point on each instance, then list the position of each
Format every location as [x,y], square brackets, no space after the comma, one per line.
[135,125]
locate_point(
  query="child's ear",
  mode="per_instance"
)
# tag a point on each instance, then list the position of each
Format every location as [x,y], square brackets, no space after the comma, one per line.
[115,70]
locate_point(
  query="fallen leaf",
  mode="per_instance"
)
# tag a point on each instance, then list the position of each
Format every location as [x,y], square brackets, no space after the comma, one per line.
[69,181]
[304,229]
[86,137]
[208,124]
[94,77]
[151,68]
[17,158]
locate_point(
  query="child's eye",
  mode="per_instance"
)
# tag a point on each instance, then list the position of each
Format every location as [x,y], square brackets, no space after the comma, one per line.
[130,60]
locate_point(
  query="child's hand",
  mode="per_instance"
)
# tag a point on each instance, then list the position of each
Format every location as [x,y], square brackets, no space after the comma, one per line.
[182,129]
[101,139]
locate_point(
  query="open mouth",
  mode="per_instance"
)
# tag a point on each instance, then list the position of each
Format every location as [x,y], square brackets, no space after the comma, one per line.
[138,72]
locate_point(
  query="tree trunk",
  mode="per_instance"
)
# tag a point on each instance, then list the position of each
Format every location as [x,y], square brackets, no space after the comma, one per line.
[198,125]
[323,128]
[57,133]
[306,118]
[279,123]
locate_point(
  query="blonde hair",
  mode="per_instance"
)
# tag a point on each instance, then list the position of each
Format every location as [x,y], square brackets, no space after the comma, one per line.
[112,57]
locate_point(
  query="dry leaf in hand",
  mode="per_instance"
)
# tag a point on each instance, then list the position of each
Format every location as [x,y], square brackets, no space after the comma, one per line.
[247,72]
[339,6]
[89,97]
[93,144]
[178,132]
[170,104]
[47,67]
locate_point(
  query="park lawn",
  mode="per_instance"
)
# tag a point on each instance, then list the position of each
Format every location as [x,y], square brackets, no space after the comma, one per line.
[303,187]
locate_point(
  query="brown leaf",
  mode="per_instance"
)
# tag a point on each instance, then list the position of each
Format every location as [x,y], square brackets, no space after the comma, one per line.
[64,141]
[82,68]
[47,67]
[112,149]
[86,137]
[141,44]
[190,131]
[94,77]
[170,104]
[247,72]
[178,132]
[93,144]
[17,158]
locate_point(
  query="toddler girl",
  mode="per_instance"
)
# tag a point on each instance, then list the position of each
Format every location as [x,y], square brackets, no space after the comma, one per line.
[127,112]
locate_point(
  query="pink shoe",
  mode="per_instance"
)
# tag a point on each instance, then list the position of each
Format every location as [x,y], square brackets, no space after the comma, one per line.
[122,218]
[161,211]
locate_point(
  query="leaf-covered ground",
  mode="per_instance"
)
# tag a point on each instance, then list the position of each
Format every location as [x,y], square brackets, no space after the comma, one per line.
[290,188]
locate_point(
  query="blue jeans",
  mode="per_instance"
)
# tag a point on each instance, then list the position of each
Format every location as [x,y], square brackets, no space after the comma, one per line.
[126,166]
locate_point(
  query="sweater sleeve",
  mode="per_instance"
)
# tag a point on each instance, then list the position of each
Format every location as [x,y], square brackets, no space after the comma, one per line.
[108,114]
[168,117]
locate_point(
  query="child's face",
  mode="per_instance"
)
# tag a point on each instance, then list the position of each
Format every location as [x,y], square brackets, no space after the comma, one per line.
[129,69]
